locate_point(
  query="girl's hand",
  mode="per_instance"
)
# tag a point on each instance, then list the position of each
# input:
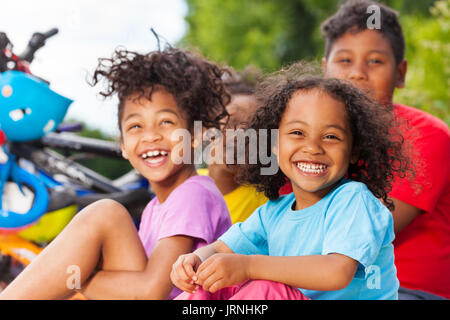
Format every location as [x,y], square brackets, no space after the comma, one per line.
[183,272]
[223,270]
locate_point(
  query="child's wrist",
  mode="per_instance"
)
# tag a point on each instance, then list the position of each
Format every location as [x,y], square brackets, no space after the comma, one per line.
[205,252]
[249,267]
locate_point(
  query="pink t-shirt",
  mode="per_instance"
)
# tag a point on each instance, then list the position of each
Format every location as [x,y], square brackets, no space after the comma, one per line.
[196,208]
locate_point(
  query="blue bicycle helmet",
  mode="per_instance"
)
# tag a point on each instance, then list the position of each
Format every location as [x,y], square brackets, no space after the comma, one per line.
[28,107]
[11,221]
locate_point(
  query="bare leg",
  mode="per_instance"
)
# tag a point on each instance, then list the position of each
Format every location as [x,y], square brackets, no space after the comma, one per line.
[103,231]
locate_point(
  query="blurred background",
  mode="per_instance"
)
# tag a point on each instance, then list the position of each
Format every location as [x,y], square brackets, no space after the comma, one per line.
[264,33]
[270,34]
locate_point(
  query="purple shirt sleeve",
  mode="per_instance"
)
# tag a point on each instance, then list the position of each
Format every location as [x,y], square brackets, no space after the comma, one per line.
[188,214]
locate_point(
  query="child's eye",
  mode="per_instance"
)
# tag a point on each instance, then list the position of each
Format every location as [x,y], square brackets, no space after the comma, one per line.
[344,60]
[332,137]
[134,126]
[297,133]
[166,122]
[375,61]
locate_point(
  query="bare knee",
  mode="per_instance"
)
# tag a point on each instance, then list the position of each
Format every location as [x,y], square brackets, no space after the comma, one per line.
[106,213]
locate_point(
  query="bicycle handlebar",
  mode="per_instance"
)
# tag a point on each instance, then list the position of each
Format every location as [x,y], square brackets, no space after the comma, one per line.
[70,142]
[36,42]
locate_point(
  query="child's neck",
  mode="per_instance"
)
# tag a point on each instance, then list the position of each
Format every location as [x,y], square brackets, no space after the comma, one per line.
[163,189]
[305,199]
[223,179]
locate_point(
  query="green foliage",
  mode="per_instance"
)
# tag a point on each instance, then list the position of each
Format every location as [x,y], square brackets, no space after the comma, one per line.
[269,34]
[428,55]
[264,33]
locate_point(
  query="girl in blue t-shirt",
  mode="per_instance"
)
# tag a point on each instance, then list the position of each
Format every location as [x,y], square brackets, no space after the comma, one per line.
[332,237]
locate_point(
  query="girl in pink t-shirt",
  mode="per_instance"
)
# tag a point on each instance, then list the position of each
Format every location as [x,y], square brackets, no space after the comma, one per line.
[100,253]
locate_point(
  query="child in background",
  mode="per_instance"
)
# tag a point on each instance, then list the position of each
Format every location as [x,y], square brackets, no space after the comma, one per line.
[373,60]
[158,92]
[327,238]
[241,200]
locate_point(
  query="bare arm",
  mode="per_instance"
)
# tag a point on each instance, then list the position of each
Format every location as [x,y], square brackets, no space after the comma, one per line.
[403,214]
[151,283]
[314,272]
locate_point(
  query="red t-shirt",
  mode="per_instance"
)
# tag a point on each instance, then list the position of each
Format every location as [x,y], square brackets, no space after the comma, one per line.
[422,248]
[286,189]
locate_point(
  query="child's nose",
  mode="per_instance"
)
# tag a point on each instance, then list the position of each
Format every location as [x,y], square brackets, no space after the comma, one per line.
[151,136]
[312,146]
[357,72]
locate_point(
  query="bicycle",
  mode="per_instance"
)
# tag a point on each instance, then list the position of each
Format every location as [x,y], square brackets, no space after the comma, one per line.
[57,185]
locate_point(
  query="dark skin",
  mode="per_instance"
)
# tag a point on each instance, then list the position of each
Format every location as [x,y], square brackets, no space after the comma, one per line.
[104,231]
[366,59]
[314,128]
[240,108]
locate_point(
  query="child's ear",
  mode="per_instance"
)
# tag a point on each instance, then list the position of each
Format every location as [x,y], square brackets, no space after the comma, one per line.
[401,74]
[122,147]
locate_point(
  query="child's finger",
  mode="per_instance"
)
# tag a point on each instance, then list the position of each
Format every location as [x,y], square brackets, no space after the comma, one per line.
[180,270]
[188,268]
[210,281]
[205,264]
[182,284]
[204,273]
[217,285]
[180,278]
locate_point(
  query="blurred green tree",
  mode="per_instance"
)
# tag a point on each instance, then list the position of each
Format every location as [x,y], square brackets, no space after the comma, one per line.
[428,55]
[269,34]
[266,33]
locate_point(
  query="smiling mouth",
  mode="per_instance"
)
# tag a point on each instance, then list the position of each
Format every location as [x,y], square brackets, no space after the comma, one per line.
[311,168]
[154,156]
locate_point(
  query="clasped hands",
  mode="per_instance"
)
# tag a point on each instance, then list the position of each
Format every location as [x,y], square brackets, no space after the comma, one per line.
[218,271]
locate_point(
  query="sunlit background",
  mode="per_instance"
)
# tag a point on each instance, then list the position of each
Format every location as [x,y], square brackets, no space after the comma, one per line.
[88,30]
[264,33]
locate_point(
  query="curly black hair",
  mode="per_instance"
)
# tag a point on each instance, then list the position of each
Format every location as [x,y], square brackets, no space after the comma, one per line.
[242,82]
[353,16]
[381,148]
[194,82]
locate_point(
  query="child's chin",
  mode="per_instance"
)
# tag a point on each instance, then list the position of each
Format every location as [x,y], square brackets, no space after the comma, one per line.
[312,187]
[157,178]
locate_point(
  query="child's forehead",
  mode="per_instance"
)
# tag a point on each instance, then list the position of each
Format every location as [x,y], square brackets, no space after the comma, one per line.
[153,101]
[314,99]
[362,41]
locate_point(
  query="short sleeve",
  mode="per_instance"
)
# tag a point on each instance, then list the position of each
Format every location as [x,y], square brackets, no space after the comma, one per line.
[357,225]
[192,210]
[248,237]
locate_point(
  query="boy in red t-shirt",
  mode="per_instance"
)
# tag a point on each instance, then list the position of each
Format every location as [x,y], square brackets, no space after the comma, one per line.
[372,58]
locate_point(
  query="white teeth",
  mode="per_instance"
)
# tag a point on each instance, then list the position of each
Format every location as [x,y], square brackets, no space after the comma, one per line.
[154,153]
[311,168]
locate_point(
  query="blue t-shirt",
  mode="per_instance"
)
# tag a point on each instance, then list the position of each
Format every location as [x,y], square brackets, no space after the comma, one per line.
[349,220]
